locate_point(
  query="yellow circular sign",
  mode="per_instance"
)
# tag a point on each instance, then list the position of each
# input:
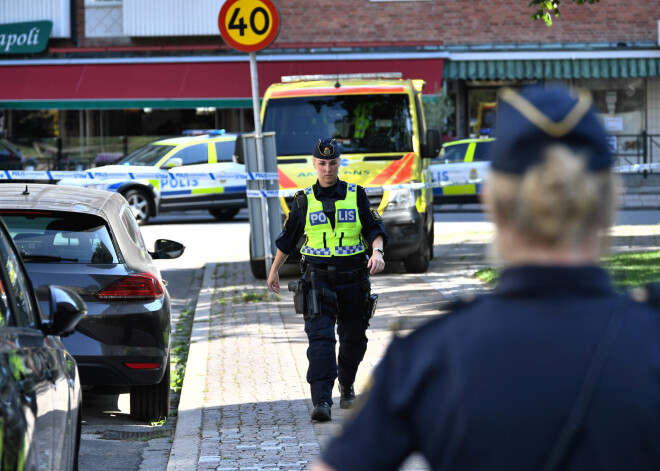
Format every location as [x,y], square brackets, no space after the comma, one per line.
[249,25]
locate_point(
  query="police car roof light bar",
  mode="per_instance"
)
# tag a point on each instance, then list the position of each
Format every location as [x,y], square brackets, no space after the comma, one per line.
[201,132]
[366,76]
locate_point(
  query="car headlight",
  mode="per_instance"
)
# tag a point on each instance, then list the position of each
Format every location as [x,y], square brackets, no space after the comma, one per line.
[401,199]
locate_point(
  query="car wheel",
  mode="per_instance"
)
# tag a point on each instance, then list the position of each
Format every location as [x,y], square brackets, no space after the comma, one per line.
[140,204]
[418,262]
[224,214]
[152,402]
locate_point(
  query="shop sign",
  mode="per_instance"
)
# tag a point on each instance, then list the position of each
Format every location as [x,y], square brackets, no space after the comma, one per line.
[24,38]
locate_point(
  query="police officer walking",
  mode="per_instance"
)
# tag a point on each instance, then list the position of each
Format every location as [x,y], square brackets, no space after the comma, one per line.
[340,226]
[554,369]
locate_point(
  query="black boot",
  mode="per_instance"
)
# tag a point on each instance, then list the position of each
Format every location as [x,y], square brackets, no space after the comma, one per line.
[347,397]
[321,412]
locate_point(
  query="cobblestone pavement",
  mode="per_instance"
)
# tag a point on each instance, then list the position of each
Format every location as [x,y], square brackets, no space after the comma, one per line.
[245,402]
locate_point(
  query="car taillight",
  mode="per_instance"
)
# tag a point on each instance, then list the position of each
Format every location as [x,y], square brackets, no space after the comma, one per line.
[143,366]
[140,286]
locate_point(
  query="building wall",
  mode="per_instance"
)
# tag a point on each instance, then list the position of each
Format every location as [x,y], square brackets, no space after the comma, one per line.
[463,22]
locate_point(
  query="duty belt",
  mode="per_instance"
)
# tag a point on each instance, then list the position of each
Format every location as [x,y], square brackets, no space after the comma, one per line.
[334,276]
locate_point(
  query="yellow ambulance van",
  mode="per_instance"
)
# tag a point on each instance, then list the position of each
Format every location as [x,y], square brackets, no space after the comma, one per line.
[378,123]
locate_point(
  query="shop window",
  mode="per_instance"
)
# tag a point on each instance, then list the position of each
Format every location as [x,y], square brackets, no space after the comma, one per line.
[621,103]
[622,107]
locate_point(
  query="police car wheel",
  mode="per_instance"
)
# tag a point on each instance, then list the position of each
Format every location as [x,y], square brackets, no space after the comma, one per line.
[140,204]
[224,214]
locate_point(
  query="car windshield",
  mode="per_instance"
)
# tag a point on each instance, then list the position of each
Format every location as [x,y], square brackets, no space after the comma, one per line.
[147,155]
[46,237]
[359,123]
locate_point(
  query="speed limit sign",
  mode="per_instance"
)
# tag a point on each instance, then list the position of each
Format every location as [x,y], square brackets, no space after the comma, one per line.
[249,25]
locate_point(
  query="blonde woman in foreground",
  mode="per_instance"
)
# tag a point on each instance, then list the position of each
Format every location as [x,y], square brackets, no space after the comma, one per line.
[553,369]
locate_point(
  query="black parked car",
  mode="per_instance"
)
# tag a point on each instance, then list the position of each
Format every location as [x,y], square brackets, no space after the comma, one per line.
[40,395]
[90,241]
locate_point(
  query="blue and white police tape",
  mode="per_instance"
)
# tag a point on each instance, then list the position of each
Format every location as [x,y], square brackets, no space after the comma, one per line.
[636,168]
[112,175]
[368,189]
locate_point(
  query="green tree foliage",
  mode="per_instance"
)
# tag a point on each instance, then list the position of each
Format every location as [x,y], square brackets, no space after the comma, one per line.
[546,8]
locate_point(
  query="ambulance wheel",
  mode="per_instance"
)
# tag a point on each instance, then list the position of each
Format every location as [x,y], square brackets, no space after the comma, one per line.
[140,204]
[257,267]
[418,262]
[224,214]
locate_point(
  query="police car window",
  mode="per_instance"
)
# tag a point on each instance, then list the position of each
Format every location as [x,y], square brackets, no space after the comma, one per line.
[225,150]
[191,155]
[452,154]
[60,237]
[146,155]
[23,310]
[481,151]
[360,123]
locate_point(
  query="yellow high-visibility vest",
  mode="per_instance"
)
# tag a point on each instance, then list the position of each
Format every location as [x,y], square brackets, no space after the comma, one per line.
[346,239]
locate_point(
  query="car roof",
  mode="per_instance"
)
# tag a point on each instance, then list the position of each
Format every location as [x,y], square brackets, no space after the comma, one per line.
[107,205]
[176,141]
[59,198]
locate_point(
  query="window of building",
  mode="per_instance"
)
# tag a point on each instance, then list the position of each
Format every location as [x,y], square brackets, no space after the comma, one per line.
[622,107]
[621,103]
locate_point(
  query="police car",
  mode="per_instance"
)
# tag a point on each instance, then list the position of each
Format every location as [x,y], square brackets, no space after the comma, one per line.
[196,152]
[459,161]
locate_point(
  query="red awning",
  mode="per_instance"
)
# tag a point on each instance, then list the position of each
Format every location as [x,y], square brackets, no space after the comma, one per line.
[103,85]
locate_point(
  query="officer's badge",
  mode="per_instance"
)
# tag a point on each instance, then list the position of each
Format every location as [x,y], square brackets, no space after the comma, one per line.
[327,151]
[374,213]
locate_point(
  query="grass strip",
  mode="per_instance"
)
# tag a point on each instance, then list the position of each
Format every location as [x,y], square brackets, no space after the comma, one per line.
[627,270]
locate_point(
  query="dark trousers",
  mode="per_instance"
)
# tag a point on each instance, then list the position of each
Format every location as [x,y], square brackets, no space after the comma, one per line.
[324,367]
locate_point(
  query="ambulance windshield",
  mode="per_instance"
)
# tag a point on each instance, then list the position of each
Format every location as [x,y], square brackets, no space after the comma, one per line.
[360,123]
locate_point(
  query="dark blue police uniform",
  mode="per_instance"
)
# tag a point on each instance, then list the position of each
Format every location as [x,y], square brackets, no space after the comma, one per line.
[350,285]
[464,389]
[553,369]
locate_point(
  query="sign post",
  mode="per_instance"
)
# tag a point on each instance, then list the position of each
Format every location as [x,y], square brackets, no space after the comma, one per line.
[250,26]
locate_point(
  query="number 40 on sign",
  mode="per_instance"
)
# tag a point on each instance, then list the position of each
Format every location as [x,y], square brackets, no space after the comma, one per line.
[248,25]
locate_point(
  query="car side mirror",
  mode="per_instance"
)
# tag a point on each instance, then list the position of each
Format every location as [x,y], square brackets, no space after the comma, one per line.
[433,144]
[239,153]
[174,162]
[66,310]
[167,249]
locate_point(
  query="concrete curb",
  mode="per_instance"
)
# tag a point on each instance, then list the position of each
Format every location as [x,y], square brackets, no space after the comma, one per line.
[188,434]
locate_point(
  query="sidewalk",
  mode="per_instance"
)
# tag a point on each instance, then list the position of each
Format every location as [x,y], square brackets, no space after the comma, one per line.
[245,402]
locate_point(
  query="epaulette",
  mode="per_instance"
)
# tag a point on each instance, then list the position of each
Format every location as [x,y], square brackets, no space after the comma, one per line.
[649,293]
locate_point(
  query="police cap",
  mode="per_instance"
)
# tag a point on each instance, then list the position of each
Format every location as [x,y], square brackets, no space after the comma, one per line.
[535,118]
[326,149]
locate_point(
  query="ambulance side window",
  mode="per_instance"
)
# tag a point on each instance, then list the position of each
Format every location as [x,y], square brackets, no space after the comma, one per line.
[191,155]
